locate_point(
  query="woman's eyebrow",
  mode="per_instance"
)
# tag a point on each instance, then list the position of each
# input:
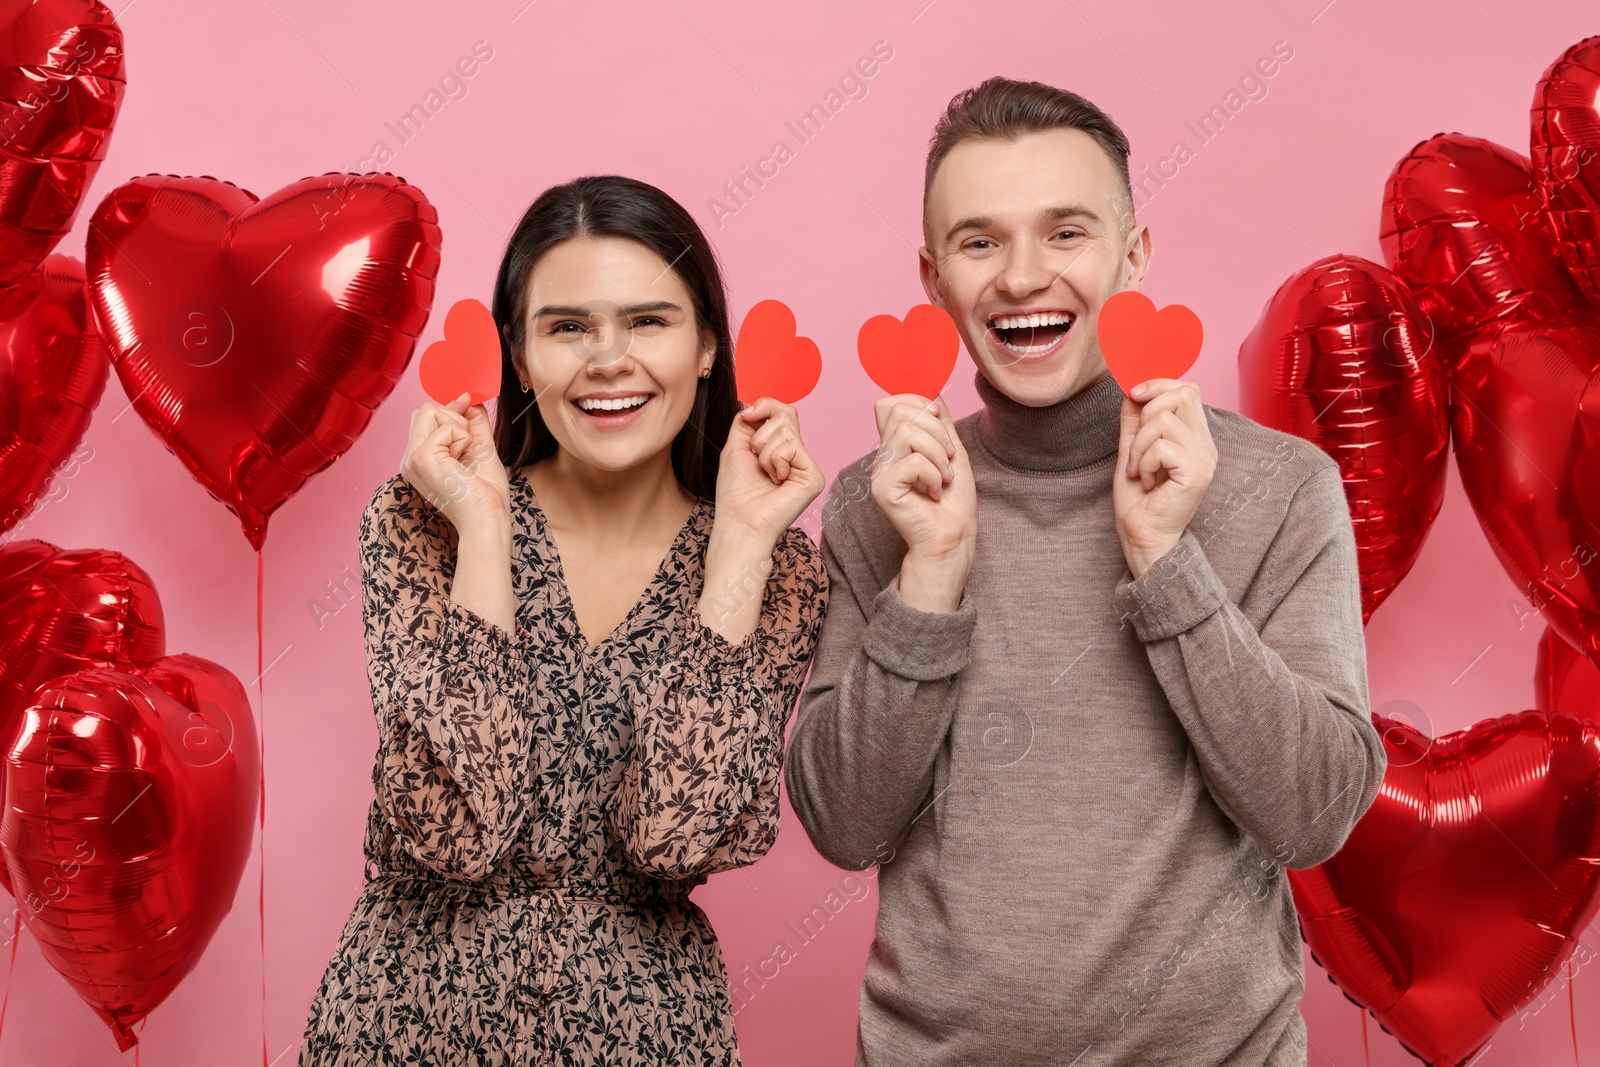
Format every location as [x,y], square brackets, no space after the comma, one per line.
[583,312]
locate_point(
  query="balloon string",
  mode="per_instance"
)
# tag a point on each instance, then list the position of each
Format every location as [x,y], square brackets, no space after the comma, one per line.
[1572,1014]
[1365,1050]
[138,1047]
[261,839]
[11,971]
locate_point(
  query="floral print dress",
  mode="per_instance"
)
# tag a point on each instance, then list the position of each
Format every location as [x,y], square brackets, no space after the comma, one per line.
[542,809]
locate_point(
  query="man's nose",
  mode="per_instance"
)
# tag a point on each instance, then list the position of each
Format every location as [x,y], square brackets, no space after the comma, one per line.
[1024,271]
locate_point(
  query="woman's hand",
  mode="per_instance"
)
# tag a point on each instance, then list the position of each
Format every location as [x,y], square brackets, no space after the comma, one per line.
[451,460]
[766,477]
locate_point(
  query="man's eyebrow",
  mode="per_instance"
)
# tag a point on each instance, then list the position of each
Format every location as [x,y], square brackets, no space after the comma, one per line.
[1067,211]
[971,222]
[1049,214]
[582,312]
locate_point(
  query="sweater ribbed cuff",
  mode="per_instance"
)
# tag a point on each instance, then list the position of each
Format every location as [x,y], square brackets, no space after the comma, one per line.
[1176,593]
[924,646]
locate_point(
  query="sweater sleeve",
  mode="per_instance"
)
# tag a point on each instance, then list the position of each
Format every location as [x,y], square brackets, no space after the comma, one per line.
[875,713]
[461,738]
[1278,717]
[699,790]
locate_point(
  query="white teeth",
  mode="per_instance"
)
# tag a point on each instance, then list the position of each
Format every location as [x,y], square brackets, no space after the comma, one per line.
[1020,322]
[620,404]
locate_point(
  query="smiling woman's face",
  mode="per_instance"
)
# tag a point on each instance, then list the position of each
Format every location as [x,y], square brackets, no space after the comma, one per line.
[613,352]
[1025,243]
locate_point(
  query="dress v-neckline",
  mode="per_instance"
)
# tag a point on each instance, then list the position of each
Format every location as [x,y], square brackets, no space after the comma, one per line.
[558,576]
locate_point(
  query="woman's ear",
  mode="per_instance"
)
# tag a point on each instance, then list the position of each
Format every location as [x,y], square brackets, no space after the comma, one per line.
[708,357]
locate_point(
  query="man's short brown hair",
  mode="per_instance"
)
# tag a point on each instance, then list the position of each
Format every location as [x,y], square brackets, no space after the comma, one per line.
[1002,109]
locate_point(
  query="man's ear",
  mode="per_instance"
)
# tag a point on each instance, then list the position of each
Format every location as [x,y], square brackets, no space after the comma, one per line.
[928,269]
[1138,255]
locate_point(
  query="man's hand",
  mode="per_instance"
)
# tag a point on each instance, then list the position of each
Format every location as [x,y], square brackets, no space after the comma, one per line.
[1165,460]
[922,481]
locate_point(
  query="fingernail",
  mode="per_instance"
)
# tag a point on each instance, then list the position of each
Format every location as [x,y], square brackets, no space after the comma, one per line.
[1138,390]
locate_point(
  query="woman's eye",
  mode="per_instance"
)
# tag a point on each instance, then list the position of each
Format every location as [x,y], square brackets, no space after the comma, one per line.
[648,320]
[561,327]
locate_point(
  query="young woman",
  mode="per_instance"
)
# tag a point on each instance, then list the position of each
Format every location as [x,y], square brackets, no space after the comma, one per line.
[581,667]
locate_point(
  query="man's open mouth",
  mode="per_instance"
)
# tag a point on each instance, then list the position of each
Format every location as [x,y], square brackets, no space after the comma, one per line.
[1029,335]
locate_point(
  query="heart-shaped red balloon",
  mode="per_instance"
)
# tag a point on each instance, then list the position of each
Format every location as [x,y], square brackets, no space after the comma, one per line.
[122,895]
[1140,343]
[61,82]
[63,611]
[52,373]
[772,360]
[257,337]
[915,356]
[1564,679]
[1343,357]
[1463,889]
[1464,230]
[467,360]
[128,812]
[1566,158]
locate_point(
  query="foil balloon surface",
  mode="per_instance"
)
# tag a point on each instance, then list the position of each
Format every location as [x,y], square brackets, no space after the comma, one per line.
[1343,356]
[53,372]
[256,337]
[61,83]
[1465,229]
[1463,889]
[128,786]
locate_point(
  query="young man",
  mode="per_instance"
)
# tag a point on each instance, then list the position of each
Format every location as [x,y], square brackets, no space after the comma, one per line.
[1092,674]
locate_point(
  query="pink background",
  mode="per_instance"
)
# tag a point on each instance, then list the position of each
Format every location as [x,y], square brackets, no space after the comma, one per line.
[683,93]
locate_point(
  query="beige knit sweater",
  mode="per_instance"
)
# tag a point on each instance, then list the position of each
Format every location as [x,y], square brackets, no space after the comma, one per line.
[1082,790]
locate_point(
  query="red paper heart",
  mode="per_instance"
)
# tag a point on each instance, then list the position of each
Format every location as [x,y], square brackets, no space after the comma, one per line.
[772,360]
[52,373]
[61,82]
[1464,229]
[1343,357]
[256,337]
[1462,891]
[1140,343]
[128,785]
[467,360]
[915,356]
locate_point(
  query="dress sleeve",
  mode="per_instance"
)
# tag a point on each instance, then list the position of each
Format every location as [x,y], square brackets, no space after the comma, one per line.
[699,790]
[460,743]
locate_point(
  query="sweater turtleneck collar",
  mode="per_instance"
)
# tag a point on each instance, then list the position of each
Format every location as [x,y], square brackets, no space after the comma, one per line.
[1080,430]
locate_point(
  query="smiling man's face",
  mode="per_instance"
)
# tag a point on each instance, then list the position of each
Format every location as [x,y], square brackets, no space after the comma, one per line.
[1026,240]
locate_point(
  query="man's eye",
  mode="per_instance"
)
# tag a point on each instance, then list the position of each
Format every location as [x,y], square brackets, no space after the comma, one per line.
[979,244]
[1068,234]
